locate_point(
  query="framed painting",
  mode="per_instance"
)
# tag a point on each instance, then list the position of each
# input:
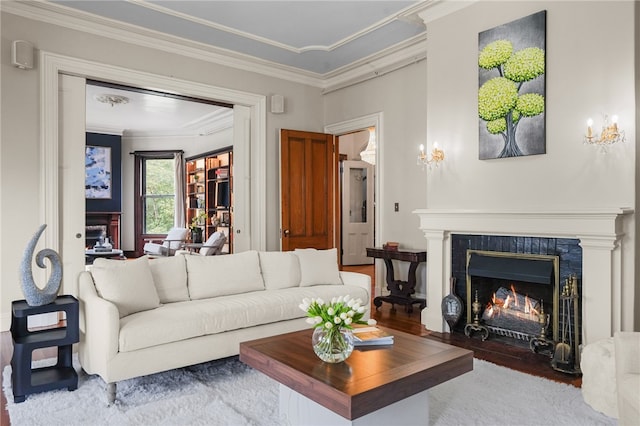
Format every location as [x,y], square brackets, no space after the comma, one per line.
[97,181]
[511,94]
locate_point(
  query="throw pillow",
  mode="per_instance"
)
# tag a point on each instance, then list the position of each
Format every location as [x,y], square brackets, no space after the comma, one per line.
[318,267]
[280,269]
[212,276]
[170,277]
[128,284]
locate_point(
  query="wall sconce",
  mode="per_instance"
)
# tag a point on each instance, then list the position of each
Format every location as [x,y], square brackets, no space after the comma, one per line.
[437,155]
[609,135]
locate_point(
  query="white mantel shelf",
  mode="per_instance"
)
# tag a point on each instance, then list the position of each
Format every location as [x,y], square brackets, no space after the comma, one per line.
[600,232]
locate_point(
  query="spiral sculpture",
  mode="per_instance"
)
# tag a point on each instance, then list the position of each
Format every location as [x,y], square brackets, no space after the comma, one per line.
[34,295]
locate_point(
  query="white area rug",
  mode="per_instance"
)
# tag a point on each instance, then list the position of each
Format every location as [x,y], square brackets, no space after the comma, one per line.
[227,392]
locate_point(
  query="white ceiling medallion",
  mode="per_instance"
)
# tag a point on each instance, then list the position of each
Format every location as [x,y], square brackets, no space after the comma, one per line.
[112,99]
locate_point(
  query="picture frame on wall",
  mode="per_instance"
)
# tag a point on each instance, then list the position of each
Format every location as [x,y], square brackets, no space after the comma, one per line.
[98,177]
[511,88]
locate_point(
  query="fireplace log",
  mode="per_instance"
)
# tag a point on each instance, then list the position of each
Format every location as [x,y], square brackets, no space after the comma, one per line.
[517,302]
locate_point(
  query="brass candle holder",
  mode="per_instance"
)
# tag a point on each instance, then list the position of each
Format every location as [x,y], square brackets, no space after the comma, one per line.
[475,326]
[540,343]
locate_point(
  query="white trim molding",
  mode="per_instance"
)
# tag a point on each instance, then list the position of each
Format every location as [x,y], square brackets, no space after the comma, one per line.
[600,232]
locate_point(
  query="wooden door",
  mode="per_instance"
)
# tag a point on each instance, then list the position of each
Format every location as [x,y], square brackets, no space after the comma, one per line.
[307,188]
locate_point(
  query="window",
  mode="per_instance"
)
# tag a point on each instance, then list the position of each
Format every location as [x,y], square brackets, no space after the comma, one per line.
[158,195]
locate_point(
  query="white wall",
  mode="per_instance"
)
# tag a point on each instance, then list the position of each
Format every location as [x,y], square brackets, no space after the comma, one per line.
[401,96]
[590,71]
[20,120]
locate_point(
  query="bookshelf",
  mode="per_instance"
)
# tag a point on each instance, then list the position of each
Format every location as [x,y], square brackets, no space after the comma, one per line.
[209,189]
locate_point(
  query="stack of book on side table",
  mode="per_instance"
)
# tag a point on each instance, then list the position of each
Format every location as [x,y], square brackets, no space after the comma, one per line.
[366,336]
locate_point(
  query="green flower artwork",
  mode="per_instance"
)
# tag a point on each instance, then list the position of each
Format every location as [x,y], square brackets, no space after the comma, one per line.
[511,94]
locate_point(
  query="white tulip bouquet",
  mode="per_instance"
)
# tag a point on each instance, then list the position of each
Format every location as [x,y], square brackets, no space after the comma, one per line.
[332,339]
[341,312]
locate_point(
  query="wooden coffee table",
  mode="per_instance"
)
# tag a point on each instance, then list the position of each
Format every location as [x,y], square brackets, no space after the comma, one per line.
[375,385]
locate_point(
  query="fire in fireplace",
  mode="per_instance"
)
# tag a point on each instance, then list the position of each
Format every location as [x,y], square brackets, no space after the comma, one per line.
[516,295]
[508,309]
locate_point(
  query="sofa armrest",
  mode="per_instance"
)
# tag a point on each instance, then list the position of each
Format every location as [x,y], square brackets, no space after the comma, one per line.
[627,344]
[627,354]
[360,280]
[99,328]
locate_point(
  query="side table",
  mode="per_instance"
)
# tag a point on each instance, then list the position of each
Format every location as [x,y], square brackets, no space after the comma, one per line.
[26,380]
[401,291]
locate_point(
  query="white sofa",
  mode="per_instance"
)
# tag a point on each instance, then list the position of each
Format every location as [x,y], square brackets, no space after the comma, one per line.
[144,316]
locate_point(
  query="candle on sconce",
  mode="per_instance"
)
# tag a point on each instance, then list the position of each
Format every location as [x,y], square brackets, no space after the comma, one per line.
[421,150]
[614,122]
[589,130]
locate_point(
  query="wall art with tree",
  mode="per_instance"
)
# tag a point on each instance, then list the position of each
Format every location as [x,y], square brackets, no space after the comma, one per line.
[511,95]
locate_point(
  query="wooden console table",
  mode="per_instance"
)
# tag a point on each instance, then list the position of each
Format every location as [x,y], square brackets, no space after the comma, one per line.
[401,291]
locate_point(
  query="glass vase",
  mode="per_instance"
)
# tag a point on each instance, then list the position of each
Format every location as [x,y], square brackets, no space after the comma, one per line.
[332,345]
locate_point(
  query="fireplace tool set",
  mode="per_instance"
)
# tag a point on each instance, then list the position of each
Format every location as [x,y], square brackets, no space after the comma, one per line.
[566,354]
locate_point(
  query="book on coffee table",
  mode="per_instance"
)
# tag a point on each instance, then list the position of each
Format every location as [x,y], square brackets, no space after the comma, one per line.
[363,336]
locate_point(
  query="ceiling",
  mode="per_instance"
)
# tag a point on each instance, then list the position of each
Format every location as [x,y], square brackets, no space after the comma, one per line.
[147,114]
[328,44]
[318,37]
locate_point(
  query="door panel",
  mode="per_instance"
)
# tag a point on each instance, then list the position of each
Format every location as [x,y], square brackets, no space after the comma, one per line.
[72,203]
[241,179]
[357,212]
[307,169]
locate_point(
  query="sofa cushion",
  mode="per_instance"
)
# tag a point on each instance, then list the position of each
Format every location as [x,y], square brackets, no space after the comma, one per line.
[185,320]
[170,277]
[127,284]
[318,266]
[212,276]
[280,269]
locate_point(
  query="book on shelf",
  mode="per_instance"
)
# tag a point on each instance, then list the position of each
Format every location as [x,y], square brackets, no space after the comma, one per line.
[363,336]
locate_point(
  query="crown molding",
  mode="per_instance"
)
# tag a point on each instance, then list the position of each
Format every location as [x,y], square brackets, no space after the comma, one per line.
[103,130]
[413,51]
[403,14]
[210,124]
[388,60]
[56,14]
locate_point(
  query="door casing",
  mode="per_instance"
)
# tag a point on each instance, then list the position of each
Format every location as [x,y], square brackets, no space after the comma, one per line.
[53,65]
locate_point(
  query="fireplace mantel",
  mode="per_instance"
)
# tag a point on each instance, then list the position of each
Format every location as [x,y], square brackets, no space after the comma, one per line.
[600,232]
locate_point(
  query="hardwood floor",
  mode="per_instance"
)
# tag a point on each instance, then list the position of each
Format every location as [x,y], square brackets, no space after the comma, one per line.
[514,358]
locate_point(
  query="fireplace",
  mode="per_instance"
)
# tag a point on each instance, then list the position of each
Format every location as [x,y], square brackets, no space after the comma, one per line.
[605,279]
[102,224]
[516,295]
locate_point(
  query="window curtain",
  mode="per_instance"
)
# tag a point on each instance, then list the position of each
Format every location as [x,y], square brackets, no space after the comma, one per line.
[180,179]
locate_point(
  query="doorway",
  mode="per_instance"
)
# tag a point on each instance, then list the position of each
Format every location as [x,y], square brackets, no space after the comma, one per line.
[160,129]
[357,205]
[361,124]
[249,141]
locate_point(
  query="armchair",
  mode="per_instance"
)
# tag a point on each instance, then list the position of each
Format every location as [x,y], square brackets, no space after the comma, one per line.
[174,241]
[627,355]
[213,246]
